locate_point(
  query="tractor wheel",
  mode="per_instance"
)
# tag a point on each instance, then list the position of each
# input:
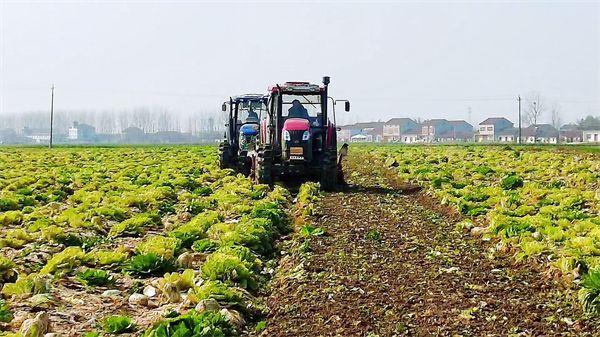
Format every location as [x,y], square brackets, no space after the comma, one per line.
[329,173]
[224,156]
[261,167]
[262,173]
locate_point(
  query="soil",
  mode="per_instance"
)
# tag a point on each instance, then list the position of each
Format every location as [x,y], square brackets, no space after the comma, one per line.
[392,263]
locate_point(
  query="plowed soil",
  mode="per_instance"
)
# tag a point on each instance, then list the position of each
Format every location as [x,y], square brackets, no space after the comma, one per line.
[392,264]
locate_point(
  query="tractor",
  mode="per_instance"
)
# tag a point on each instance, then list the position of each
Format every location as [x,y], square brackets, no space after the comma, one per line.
[297,139]
[244,113]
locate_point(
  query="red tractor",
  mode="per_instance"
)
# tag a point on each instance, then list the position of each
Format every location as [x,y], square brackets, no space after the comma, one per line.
[297,139]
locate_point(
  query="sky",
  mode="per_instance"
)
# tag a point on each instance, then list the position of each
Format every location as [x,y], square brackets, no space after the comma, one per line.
[455,60]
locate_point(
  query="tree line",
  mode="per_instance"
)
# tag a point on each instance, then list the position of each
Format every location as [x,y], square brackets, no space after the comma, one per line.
[149,119]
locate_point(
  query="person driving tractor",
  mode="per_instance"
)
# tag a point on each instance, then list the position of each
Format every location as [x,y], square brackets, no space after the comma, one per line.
[252,116]
[297,110]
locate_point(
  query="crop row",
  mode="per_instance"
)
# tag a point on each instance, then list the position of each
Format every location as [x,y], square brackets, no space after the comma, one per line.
[545,202]
[137,236]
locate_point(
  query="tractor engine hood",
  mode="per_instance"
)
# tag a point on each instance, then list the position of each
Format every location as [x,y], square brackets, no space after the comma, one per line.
[296,124]
[249,129]
[297,143]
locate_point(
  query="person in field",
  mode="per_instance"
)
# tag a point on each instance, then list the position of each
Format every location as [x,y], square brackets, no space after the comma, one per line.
[297,110]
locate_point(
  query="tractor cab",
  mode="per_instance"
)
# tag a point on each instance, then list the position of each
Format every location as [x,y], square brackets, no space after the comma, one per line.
[244,114]
[297,137]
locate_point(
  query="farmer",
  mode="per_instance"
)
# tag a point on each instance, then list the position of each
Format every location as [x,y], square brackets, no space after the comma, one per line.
[297,110]
[252,116]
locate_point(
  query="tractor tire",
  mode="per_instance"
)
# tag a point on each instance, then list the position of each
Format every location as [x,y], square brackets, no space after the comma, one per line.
[329,174]
[262,167]
[263,173]
[224,156]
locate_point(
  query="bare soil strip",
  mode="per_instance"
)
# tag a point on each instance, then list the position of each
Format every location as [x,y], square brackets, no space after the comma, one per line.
[392,264]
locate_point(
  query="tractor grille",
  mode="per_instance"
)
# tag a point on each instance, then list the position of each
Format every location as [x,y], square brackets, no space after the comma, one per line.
[296,134]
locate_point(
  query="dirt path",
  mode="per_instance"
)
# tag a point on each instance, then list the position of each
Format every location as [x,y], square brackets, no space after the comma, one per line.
[390,266]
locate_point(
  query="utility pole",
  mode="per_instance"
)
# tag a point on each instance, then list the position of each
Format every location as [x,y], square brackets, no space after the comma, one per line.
[470,120]
[51,114]
[519,100]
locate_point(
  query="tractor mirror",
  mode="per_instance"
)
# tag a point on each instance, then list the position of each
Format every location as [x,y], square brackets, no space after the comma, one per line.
[347,106]
[224,107]
[338,129]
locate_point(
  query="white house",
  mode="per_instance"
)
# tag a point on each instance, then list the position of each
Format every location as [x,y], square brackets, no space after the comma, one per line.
[495,129]
[360,138]
[81,132]
[591,136]
[411,136]
[374,129]
[540,133]
[395,129]
[571,136]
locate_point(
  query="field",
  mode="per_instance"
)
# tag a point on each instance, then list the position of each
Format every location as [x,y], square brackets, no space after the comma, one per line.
[425,240]
[540,201]
[116,240]
[499,241]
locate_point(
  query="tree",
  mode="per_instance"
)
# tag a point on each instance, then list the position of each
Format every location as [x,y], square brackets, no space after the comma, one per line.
[589,123]
[555,120]
[534,109]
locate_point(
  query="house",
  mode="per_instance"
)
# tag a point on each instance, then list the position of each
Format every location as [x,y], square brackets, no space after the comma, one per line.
[507,135]
[37,135]
[436,130]
[410,136]
[591,136]
[395,129]
[570,136]
[10,136]
[491,129]
[540,133]
[374,129]
[134,135]
[360,138]
[461,131]
[81,132]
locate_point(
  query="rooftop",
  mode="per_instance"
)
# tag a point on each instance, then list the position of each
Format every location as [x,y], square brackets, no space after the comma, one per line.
[397,121]
[494,120]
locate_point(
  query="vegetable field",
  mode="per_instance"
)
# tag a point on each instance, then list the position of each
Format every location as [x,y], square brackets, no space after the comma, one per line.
[128,240]
[543,204]
[160,242]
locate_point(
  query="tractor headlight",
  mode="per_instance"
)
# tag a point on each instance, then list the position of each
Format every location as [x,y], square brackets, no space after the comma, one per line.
[286,135]
[306,135]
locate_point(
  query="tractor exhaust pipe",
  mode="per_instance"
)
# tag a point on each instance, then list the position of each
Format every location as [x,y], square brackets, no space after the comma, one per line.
[326,80]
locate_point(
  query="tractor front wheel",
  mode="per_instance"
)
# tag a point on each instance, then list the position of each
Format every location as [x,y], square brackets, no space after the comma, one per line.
[329,173]
[261,167]
[224,155]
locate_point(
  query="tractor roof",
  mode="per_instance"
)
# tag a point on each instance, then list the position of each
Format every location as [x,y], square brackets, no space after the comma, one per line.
[304,87]
[248,98]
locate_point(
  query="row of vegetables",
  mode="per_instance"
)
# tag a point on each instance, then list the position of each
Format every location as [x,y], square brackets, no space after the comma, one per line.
[544,201]
[161,225]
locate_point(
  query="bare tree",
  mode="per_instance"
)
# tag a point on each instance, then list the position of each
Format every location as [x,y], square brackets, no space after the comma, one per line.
[534,109]
[556,120]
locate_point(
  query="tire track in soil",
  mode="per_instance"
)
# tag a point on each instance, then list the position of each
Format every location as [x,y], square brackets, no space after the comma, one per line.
[391,266]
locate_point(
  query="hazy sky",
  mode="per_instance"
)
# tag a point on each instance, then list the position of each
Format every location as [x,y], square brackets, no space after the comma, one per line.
[414,59]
